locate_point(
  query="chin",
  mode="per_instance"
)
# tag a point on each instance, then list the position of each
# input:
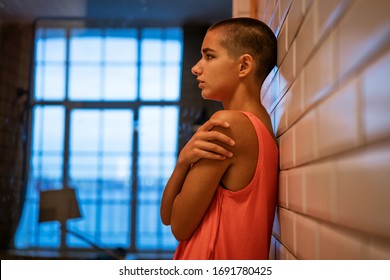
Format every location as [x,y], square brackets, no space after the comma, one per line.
[210,97]
[204,96]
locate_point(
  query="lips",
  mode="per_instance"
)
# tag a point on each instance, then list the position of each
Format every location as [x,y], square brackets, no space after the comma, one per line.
[200,83]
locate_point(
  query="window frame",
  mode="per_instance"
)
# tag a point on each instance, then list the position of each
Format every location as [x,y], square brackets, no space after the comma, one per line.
[68,105]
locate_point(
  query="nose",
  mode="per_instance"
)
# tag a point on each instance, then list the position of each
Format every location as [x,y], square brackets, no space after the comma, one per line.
[196,69]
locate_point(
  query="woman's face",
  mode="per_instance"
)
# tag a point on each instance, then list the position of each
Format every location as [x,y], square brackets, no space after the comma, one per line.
[216,71]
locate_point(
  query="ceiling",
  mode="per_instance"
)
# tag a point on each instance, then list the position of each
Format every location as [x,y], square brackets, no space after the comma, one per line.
[147,12]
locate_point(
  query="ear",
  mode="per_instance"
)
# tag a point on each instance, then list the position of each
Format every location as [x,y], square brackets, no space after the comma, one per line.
[246,65]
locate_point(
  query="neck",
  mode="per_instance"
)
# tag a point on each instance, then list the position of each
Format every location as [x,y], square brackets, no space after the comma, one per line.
[244,98]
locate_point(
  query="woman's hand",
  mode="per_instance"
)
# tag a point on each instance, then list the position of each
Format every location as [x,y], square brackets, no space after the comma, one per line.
[200,145]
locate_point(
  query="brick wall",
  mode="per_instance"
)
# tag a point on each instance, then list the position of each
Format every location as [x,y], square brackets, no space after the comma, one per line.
[15,49]
[329,100]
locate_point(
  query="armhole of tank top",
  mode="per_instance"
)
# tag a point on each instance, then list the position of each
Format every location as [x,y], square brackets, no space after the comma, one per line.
[223,189]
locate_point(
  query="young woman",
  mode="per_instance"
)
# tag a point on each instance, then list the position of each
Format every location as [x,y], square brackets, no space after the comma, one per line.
[220,198]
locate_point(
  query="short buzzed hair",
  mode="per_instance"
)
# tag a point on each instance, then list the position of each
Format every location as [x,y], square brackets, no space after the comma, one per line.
[249,36]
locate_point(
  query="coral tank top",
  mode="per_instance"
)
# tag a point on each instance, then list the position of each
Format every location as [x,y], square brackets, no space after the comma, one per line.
[238,225]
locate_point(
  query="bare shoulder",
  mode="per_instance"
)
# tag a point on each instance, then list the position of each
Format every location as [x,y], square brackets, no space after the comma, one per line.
[241,130]
[240,125]
[244,161]
[227,115]
[236,119]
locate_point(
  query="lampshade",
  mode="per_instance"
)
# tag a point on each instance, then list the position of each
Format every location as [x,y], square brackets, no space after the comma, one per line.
[58,205]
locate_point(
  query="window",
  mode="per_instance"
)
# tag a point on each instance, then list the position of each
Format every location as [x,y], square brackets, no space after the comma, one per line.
[104,122]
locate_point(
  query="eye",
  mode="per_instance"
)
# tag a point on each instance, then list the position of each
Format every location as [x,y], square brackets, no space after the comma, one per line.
[208,56]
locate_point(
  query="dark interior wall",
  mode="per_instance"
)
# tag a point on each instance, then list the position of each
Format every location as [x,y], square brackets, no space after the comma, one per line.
[194,109]
[15,53]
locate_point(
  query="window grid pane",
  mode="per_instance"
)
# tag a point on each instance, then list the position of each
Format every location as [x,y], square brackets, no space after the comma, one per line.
[161,52]
[107,132]
[158,129]
[103,65]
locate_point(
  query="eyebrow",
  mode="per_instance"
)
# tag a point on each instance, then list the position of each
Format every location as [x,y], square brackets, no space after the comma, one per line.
[207,50]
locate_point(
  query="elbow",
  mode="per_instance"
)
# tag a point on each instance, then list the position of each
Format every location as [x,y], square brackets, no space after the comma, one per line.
[165,222]
[181,234]
[165,219]
[165,215]
[182,226]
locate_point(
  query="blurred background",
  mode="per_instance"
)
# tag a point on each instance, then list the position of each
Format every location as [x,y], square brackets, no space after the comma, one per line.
[97,99]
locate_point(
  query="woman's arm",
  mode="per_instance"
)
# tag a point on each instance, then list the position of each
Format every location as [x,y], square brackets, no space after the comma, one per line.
[191,203]
[201,145]
[203,178]
[199,185]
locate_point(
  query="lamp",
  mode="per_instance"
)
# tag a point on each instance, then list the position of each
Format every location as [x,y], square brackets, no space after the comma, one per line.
[58,205]
[61,205]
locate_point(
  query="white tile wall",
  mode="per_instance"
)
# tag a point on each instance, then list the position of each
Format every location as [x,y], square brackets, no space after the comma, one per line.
[294,99]
[241,8]
[363,30]
[329,100]
[307,238]
[296,190]
[305,136]
[375,85]
[337,124]
[339,243]
[320,73]
[363,189]
[287,70]
[287,149]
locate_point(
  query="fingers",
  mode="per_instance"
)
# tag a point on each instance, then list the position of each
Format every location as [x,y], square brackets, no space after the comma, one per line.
[214,136]
[213,123]
[207,143]
[212,150]
[196,150]
[204,132]
[213,156]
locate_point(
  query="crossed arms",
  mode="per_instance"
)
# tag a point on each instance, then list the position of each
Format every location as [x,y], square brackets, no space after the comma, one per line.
[199,169]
